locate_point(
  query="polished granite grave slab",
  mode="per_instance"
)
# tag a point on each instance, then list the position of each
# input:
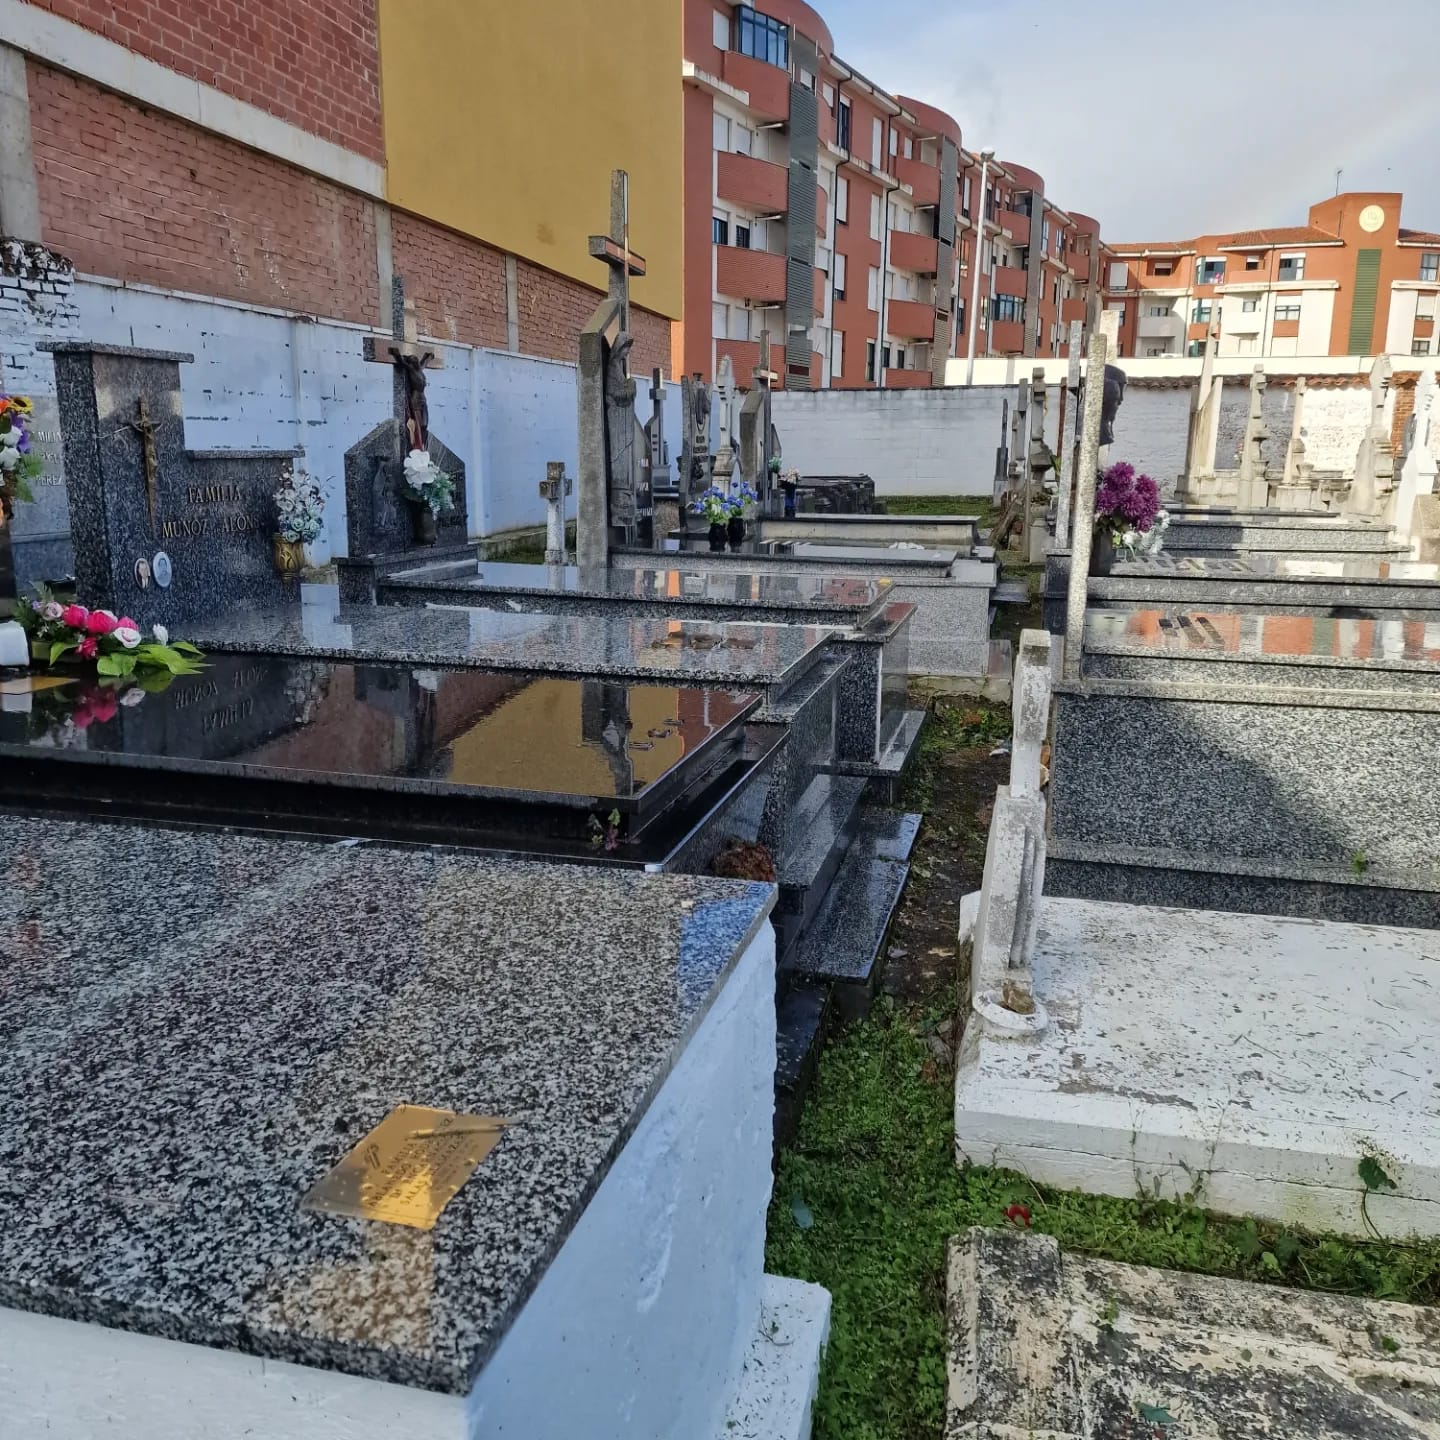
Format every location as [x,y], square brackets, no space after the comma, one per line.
[686,651]
[170,1099]
[1256,649]
[814,598]
[474,757]
[694,551]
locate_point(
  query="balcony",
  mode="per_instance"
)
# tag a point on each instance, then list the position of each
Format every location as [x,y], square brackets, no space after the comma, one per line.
[1169,326]
[1079,266]
[1241,322]
[1010,280]
[1016,226]
[756,184]
[908,379]
[923,179]
[768,85]
[910,320]
[750,274]
[822,288]
[822,207]
[1072,310]
[909,251]
[1007,337]
[744,356]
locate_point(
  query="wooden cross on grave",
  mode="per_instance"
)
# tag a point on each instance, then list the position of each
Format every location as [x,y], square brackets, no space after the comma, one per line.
[402,350]
[616,252]
[146,428]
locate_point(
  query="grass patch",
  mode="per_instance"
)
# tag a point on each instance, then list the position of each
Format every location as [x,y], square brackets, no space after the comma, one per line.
[981,506]
[873,1173]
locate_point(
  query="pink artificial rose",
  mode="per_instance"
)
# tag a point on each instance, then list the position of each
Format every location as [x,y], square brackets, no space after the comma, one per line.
[127,622]
[75,616]
[100,622]
[87,648]
[51,610]
[104,706]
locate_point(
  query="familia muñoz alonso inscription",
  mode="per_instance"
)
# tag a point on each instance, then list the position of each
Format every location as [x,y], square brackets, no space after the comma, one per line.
[234,519]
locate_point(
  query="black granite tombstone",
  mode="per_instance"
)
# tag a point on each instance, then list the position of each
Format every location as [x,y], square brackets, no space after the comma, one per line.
[160,532]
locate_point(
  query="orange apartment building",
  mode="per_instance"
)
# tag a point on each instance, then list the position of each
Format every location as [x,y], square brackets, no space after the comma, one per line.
[843,221]
[1353,281]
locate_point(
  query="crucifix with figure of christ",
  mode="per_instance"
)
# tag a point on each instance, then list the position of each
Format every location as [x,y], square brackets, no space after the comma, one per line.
[402,350]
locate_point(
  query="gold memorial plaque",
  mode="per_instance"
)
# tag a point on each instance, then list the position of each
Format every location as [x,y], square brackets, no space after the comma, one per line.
[408,1168]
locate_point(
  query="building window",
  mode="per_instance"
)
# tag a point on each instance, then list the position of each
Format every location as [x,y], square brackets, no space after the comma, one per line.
[900,358]
[1119,314]
[885,357]
[1292,267]
[1244,344]
[1425,307]
[1194,348]
[722,30]
[842,199]
[1430,266]
[828,91]
[1249,307]
[1045,237]
[717,320]
[1252,262]
[1007,307]
[842,125]
[965,198]
[719,230]
[870,361]
[1119,274]
[1157,310]
[959,318]
[839,276]
[1288,312]
[761,37]
[877,142]
[1162,267]
[807,79]
[837,353]
[909,148]
[1420,347]
[872,289]
[875,220]
[1201,314]
[742,236]
[1209,272]
[894,142]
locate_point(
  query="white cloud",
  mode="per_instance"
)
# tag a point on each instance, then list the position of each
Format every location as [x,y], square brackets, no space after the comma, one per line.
[1165,121]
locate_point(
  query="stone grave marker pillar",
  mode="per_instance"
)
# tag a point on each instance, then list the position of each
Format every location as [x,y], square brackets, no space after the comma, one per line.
[1086,475]
[1067,438]
[553,489]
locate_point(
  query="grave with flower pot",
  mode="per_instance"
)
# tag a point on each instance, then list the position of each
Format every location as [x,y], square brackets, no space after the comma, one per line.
[404,487]
[161,532]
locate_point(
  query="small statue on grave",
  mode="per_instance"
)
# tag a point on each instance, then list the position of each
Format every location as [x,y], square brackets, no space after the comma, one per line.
[1110,406]
[417,408]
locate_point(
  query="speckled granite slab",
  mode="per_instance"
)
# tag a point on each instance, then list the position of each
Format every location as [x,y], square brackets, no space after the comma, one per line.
[175,1083]
[687,651]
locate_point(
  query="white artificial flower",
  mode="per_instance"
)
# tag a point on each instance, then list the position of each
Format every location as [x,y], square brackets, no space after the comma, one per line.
[9,460]
[418,468]
[133,696]
[162,635]
[10,439]
[1129,539]
[127,636]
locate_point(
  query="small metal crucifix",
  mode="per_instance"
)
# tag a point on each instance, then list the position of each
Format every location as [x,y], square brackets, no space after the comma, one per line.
[146,429]
[402,350]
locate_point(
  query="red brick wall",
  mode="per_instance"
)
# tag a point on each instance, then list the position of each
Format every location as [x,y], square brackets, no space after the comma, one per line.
[314,63]
[137,195]
[554,309]
[458,284]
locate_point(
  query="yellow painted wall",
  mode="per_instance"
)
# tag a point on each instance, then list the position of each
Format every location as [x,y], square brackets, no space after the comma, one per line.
[504,119]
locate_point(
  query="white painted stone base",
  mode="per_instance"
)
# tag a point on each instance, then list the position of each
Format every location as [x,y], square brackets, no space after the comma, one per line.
[1052,1346]
[782,1366]
[1249,1060]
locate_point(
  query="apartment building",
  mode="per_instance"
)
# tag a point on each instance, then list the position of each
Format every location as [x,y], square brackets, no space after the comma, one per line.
[294,157]
[851,225]
[1353,281]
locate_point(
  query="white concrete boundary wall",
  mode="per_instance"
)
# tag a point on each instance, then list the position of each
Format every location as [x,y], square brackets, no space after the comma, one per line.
[1010,369]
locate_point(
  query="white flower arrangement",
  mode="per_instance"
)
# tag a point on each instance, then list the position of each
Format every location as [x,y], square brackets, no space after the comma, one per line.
[426,483]
[300,506]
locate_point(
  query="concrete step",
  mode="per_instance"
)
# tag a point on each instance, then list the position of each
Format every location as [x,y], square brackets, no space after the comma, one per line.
[841,948]
[884,776]
[1012,592]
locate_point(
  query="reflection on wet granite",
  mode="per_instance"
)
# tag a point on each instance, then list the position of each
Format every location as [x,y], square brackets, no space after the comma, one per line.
[173,1087]
[689,651]
[1280,566]
[1199,634]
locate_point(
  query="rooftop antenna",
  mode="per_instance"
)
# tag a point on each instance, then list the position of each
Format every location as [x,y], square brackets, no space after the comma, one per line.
[1338,174]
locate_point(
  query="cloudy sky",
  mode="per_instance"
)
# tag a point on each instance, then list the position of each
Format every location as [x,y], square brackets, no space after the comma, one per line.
[1166,121]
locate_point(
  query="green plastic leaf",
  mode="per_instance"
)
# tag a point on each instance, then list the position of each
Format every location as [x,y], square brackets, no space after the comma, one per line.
[1157,1415]
[185,647]
[1373,1176]
[108,665]
[60,647]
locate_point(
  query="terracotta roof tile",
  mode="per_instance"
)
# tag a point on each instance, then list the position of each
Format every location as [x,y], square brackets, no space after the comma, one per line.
[1283,235]
[1135,247]
[1420,237]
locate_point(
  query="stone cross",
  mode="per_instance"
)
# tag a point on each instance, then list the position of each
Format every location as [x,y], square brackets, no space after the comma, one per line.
[1297,469]
[1418,472]
[611,508]
[1086,477]
[1204,420]
[1375,460]
[695,458]
[1253,488]
[1067,444]
[402,351]
[1006,922]
[724,468]
[553,489]
[657,452]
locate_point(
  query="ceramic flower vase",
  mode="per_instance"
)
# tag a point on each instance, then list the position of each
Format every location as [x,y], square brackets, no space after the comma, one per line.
[1102,551]
[735,530]
[717,536]
[289,555]
[422,523]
